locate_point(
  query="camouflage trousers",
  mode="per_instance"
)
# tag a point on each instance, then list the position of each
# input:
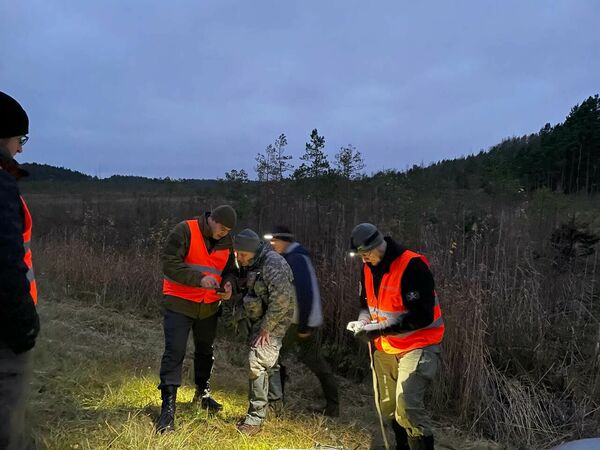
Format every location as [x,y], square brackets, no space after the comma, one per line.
[261,362]
[14,376]
[402,382]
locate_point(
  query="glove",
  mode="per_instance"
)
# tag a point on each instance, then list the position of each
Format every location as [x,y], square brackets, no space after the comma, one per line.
[22,327]
[355,326]
[369,331]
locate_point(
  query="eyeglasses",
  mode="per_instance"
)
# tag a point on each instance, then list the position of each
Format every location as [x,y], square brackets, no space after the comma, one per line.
[23,140]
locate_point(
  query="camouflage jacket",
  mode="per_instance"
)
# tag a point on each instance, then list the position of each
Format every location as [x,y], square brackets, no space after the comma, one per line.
[269,293]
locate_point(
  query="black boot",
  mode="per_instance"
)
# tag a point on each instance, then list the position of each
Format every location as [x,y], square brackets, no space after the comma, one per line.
[421,443]
[203,396]
[329,387]
[401,436]
[332,410]
[166,421]
[283,374]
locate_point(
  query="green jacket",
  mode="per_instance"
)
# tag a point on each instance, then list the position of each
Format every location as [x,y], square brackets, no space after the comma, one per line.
[270,294]
[174,267]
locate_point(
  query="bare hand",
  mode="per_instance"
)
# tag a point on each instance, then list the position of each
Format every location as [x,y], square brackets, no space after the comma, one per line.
[263,338]
[208,282]
[228,290]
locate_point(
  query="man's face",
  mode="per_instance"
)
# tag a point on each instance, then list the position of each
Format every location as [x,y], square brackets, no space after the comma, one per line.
[14,144]
[373,256]
[218,230]
[279,246]
[244,258]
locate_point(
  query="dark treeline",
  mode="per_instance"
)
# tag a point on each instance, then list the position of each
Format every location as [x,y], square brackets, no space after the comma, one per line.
[564,158]
[46,178]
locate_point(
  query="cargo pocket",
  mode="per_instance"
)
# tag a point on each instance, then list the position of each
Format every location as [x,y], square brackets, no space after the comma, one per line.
[253,307]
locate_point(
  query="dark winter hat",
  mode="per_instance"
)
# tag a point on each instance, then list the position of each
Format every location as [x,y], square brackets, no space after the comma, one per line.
[13,118]
[225,215]
[282,233]
[246,241]
[365,237]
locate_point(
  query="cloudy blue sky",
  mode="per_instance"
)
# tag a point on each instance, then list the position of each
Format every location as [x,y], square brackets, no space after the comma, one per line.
[191,89]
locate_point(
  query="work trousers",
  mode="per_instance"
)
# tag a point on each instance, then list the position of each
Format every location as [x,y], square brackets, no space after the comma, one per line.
[177,328]
[402,382]
[309,353]
[14,377]
[261,362]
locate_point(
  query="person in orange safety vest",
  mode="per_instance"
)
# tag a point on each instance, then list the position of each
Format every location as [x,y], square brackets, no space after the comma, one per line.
[19,322]
[401,318]
[197,259]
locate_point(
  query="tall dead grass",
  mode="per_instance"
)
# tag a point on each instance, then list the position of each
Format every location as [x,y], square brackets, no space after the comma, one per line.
[522,349]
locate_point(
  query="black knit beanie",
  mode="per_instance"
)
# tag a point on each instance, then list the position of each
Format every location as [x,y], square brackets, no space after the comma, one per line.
[13,118]
[225,215]
[282,233]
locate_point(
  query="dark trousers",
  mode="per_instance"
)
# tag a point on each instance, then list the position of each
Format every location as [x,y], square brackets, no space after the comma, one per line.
[309,353]
[177,328]
[14,375]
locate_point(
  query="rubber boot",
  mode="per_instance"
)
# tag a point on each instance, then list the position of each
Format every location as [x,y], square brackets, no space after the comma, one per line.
[283,373]
[166,421]
[401,436]
[329,387]
[421,443]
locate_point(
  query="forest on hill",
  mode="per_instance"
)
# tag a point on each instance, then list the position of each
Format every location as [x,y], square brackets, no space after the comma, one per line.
[564,157]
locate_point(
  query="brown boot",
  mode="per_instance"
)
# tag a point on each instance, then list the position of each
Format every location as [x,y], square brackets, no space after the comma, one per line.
[247,429]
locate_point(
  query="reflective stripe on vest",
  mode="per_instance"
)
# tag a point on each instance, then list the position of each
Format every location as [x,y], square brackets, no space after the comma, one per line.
[389,306]
[198,259]
[27,248]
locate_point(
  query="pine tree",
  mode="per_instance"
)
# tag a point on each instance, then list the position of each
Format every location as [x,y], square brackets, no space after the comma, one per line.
[316,163]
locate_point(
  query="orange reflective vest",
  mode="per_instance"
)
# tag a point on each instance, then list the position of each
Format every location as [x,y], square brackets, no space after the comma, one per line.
[198,258]
[27,247]
[388,305]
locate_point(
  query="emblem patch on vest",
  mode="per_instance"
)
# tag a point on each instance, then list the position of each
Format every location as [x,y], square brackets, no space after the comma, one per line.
[413,296]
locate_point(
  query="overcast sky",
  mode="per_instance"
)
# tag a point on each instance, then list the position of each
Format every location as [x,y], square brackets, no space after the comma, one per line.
[191,89]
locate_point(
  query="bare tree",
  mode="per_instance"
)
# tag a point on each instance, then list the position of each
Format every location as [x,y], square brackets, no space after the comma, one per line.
[349,163]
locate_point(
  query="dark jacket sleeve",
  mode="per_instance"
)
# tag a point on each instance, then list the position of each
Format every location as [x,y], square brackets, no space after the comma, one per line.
[18,318]
[304,288]
[173,255]
[417,295]
[364,314]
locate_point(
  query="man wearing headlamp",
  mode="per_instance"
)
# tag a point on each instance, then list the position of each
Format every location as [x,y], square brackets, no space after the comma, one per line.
[400,316]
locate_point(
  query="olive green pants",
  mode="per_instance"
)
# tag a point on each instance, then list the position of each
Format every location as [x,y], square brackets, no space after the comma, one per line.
[402,382]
